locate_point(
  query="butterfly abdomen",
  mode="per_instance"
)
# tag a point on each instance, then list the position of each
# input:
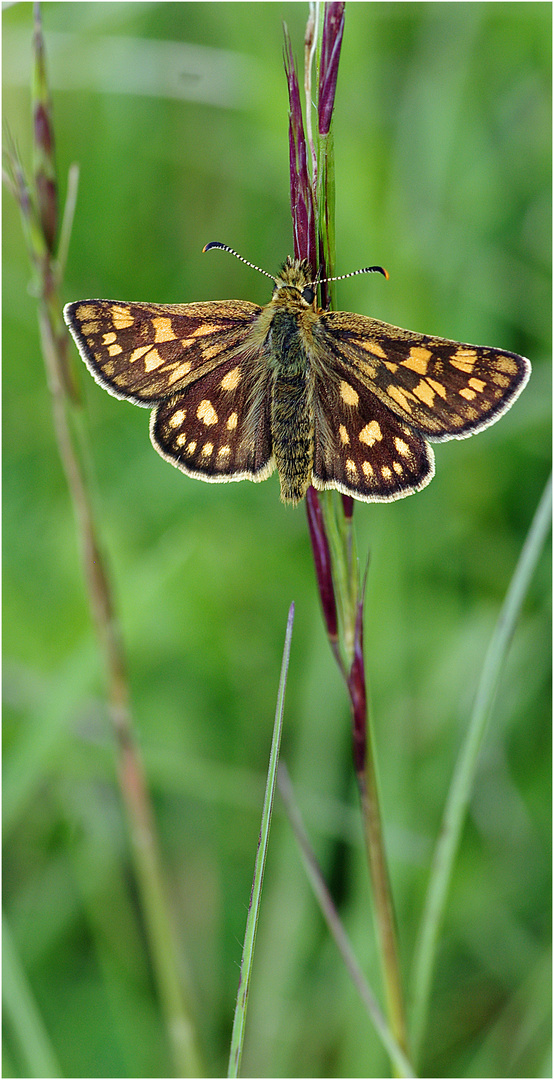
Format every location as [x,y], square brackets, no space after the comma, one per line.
[292,427]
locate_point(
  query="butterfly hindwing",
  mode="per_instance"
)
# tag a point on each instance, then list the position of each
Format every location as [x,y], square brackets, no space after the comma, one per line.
[362,449]
[219,429]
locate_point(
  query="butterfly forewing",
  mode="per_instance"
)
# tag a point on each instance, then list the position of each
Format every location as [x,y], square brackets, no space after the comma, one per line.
[443,388]
[219,429]
[145,352]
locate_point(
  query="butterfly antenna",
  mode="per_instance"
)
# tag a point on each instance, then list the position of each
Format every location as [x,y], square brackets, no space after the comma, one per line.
[364,270]
[224,247]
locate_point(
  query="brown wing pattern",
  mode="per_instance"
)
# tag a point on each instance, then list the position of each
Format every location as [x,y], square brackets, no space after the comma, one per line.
[147,352]
[220,428]
[443,388]
[361,448]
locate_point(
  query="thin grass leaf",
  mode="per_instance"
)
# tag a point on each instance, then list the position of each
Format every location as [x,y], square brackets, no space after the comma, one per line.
[330,914]
[466,766]
[22,1014]
[67,218]
[239,1021]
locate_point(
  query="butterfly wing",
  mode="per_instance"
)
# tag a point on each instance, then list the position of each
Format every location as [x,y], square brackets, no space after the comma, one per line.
[200,365]
[219,429]
[361,447]
[147,352]
[444,389]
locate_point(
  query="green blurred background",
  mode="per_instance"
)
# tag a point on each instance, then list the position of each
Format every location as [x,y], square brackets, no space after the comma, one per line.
[442,135]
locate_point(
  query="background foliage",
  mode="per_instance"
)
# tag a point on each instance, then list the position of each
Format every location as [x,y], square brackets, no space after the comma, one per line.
[442,131]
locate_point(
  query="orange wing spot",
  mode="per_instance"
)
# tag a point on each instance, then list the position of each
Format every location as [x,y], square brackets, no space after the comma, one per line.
[121,317]
[397,468]
[207,414]
[367,469]
[179,372]
[477,384]
[86,311]
[425,393]
[114,350]
[373,347]
[467,393]
[344,436]
[418,359]
[207,449]
[402,447]
[163,329]
[438,387]
[108,368]
[152,360]
[464,360]
[348,394]
[205,328]
[181,439]
[419,352]
[232,421]
[371,433]
[176,418]
[386,473]
[351,467]
[231,380]
[90,328]
[506,364]
[191,446]
[109,339]
[209,351]
[399,396]
[392,367]
[224,451]
[137,353]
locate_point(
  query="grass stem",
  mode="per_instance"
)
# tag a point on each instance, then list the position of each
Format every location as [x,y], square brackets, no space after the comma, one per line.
[466,766]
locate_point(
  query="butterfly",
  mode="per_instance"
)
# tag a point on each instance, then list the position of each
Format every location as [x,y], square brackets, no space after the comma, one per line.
[328,398]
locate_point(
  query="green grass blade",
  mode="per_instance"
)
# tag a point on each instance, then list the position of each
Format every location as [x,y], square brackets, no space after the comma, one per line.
[464,773]
[22,1015]
[330,914]
[67,219]
[239,1022]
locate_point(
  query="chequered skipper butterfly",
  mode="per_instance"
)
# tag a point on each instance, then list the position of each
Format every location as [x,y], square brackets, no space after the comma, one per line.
[325,397]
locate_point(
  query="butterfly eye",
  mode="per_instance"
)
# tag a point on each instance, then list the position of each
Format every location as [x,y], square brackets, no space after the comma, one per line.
[308,294]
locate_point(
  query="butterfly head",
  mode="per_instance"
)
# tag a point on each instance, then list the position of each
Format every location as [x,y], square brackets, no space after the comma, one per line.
[295,283]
